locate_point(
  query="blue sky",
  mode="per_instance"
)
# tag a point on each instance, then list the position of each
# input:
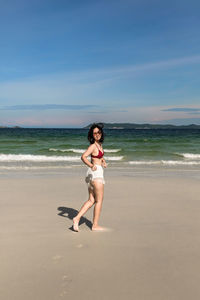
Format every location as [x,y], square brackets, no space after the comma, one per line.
[69,63]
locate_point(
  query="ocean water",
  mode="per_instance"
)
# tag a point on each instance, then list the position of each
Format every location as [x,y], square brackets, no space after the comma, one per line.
[22,148]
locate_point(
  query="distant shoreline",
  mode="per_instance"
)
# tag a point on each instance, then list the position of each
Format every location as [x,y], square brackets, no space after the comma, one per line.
[117,126]
[11,127]
[145,126]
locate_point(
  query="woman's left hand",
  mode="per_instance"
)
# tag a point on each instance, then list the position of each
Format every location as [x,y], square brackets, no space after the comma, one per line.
[104,164]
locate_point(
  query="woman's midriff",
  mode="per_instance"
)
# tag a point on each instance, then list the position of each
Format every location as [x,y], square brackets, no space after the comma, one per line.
[96,161]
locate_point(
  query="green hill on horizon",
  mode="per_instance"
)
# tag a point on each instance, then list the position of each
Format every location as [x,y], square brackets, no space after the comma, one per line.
[144,126]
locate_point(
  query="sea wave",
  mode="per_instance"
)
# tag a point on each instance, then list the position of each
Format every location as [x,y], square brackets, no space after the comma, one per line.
[112,150]
[45,158]
[67,150]
[165,162]
[82,150]
[178,162]
[144,162]
[114,157]
[33,167]
[36,158]
[190,155]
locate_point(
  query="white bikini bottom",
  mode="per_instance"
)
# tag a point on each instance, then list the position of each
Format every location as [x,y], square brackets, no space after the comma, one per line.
[94,175]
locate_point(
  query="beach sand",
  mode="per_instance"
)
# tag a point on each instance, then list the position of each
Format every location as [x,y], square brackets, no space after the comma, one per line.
[151,251]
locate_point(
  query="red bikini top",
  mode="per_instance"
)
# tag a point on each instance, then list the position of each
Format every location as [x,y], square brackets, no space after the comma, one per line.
[100,154]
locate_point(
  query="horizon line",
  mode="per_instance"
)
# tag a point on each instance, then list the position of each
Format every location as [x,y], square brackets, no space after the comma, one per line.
[84,127]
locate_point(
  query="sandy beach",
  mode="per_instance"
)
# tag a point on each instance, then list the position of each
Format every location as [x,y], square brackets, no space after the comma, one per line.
[151,250]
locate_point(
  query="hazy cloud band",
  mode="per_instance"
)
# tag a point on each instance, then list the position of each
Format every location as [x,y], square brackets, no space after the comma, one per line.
[48,106]
[182,109]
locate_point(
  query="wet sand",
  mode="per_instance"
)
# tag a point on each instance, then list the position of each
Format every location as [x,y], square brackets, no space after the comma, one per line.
[151,251]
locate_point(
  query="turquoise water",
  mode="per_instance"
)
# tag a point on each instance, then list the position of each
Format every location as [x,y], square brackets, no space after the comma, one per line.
[36,148]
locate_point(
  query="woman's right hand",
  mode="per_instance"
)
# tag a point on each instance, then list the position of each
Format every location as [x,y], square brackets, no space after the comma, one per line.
[94,167]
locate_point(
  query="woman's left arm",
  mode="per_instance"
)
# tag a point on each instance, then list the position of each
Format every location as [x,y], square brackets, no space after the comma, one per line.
[103,162]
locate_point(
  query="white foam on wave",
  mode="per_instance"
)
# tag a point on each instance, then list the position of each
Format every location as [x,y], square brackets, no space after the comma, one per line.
[73,150]
[45,158]
[33,167]
[82,150]
[178,162]
[36,158]
[67,150]
[114,157]
[112,150]
[165,162]
[190,155]
[144,162]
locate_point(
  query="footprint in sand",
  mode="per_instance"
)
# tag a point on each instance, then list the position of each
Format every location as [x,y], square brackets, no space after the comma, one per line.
[56,258]
[65,285]
[66,280]
[63,294]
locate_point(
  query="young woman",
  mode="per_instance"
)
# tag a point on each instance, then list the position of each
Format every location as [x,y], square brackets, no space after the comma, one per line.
[94,176]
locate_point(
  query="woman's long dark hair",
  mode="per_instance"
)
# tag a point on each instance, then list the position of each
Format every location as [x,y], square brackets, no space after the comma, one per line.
[90,132]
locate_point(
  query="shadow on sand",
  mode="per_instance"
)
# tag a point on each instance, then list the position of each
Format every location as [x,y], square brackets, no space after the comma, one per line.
[70,213]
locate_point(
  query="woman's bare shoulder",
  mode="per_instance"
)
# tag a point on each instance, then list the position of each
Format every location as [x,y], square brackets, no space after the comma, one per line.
[91,146]
[89,150]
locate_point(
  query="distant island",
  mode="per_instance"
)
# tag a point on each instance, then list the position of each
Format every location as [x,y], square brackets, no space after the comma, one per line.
[10,127]
[144,126]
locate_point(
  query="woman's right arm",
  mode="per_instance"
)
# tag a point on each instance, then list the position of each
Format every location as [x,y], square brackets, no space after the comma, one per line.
[86,154]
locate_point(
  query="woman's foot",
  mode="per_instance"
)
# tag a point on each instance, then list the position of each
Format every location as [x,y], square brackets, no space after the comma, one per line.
[97,228]
[75,224]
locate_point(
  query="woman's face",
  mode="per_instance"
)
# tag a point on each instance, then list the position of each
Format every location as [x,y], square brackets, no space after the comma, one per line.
[97,134]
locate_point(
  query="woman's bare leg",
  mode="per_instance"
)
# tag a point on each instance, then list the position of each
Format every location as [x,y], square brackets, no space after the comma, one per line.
[98,195]
[84,209]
